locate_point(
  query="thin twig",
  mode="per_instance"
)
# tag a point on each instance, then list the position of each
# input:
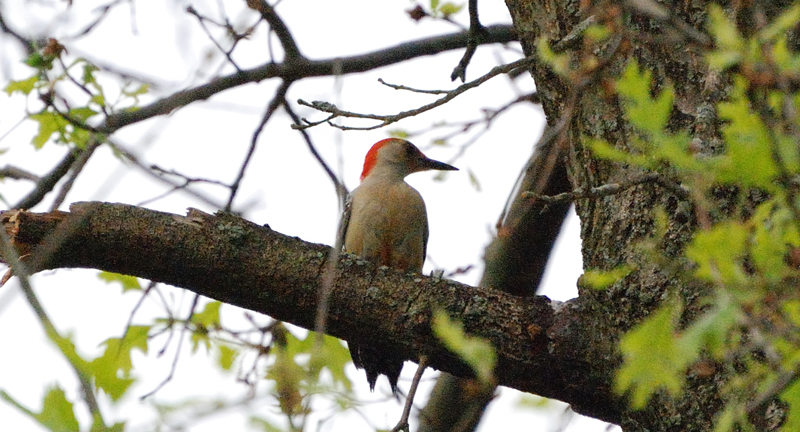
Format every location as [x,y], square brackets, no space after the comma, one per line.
[476,34]
[202,20]
[611,189]
[76,169]
[402,87]
[135,161]
[393,118]
[174,367]
[403,423]
[277,101]
[26,43]
[48,181]
[341,190]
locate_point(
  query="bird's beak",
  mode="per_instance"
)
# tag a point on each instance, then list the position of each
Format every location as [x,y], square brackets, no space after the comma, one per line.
[430,164]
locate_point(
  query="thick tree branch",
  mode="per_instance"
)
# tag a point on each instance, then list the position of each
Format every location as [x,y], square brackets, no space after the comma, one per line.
[541,345]
[302,68]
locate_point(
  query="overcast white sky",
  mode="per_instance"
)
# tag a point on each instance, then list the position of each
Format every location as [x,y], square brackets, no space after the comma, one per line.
[283,187]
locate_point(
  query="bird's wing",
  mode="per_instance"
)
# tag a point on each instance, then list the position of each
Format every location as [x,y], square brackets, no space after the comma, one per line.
[343,223]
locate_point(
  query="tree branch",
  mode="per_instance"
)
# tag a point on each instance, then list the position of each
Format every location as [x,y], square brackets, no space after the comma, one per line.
[46,184]
[476,33]
[302,68]
[542,345]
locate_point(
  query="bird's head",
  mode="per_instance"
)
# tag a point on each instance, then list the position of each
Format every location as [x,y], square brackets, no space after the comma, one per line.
[398,158]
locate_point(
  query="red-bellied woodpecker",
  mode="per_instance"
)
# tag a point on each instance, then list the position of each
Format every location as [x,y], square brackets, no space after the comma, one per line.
[385,222]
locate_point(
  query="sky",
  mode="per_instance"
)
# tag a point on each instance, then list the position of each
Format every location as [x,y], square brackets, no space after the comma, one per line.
[283,187]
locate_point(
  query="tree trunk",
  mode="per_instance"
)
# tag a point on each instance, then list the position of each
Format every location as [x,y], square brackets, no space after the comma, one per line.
[657,36]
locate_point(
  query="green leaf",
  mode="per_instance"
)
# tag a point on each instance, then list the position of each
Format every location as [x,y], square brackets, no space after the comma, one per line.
[36,60]
[287,375]
[111,370]
[718,252]
[57,413]
[332,355]
[774,230]
[227,356]
[749,156]
[598,32]
[49,123]
[653,359]
[711,330]
[24,86]
[399,133]
[264,424]
[726,421]
[88,73]
[200,336]
[82,114]
[603,150]
[558,62]
[730,44]
[602,279]
[780,26]
[449,8]
[792,396]
[209,317]
[99,100]
[477,352]
[129,283]
[473,180]
[644,112]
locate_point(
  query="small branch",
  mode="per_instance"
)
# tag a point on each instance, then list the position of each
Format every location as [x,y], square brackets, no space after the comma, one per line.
[476,35]
[27,44]
[186,179]
[16,173]
[133,159]
[274,104]
[104,11]
[403,423]
[48,181]
[402,87]
[81,86]
[393,118]
[174,366]
[279,27]
[610,189]
[76,169]
[202,20]
[341,190]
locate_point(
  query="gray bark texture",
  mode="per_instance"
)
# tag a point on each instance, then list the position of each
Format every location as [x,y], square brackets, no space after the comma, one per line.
[659,35]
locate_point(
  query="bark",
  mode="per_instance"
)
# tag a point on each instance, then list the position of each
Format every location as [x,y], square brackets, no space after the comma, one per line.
[229,259]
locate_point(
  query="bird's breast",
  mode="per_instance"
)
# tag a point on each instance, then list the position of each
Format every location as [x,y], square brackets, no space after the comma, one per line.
[388,225]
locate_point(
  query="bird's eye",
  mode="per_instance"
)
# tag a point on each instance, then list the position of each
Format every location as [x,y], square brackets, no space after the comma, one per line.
[410,149]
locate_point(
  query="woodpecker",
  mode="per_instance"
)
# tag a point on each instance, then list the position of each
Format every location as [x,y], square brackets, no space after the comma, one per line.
[385,222]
